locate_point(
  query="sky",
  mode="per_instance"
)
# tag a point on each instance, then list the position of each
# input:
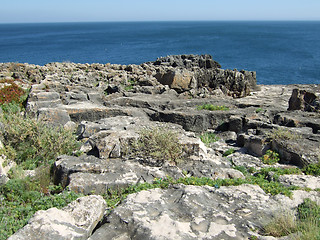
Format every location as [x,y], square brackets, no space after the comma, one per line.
[27,11]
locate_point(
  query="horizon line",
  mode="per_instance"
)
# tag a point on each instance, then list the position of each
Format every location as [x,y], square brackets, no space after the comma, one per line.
[150,21]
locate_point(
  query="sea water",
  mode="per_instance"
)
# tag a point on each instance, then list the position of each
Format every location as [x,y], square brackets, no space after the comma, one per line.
[280,52]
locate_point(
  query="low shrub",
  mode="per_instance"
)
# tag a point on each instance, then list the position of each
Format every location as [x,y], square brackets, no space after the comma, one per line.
[21,198]
[312,169]
[208,137]
[270,157]
[32,143]
[282,225]
[158,143]
[306,222]
[211,107]
[12,93]
[259,110]
[228,152]
[283,134]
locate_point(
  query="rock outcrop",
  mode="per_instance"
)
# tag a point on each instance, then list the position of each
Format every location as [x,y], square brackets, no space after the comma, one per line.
[193,212]
[304,100]
[110,105]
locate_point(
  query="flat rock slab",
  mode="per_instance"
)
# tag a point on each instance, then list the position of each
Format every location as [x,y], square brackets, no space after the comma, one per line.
[88,174]
[75,221]
[194,212]
[304,181]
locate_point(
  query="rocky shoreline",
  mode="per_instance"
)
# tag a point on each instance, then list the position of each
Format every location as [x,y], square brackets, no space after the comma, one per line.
[108,105]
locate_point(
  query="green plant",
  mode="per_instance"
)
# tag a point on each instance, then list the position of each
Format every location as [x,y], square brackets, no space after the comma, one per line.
[259,110]
[228,152]
[312,169]
[270,157]
[306,222]
[158,143]
[128,87]
[21,198]
[208,137]
[283,134]
[131,83]
[32,143]
[12,93]
[283,224]
[211,107]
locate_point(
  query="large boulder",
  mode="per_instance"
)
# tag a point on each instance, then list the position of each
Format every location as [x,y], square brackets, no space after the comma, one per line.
[179,80]
[75,221]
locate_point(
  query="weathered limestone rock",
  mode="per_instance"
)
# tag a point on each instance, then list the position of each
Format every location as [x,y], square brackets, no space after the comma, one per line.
[53,116]
[75,221]
[297,152]
[304,100]
[188,61]
[303,181]
[180,80]
[193,212]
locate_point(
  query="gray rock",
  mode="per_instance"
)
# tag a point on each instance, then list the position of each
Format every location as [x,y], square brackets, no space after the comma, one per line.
[193,212]
[75,221]
[304,100]
[303,181]
[53,116]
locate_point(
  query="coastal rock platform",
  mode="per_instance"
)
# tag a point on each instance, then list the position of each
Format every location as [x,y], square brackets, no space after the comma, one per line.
[109,106]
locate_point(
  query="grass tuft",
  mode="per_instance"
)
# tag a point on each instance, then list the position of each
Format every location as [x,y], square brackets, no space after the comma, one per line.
[208,138]
[211,107]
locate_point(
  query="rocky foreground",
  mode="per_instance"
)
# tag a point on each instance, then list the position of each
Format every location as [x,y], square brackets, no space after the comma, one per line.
[109,105]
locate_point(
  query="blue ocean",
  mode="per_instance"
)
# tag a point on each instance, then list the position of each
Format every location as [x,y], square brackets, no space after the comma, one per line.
[280,52]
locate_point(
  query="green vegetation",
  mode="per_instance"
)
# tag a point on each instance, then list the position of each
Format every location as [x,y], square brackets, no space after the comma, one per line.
[12,93]
[131,84]
[21,198]
[31,143]
[283,134]
[306,222]
[312,169]
[208,137]
[158,143]
[270,157]
[259,110]
[228,152]
[211,107]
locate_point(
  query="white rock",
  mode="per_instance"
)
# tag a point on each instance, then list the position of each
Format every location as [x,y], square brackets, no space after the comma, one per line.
[75,221]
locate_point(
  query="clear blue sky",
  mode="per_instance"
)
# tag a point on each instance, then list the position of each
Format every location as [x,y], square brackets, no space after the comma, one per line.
[153,10]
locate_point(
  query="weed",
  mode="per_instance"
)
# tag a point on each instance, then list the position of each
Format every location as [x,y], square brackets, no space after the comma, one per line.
[259,110]
[158,143]
[31,143]
[283,224]
[131,83]
[270,157]
[208,138]
[21,198]
[312,169]
[211,107]
[283,134]
[228,152]
[128,88]
[307,222]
